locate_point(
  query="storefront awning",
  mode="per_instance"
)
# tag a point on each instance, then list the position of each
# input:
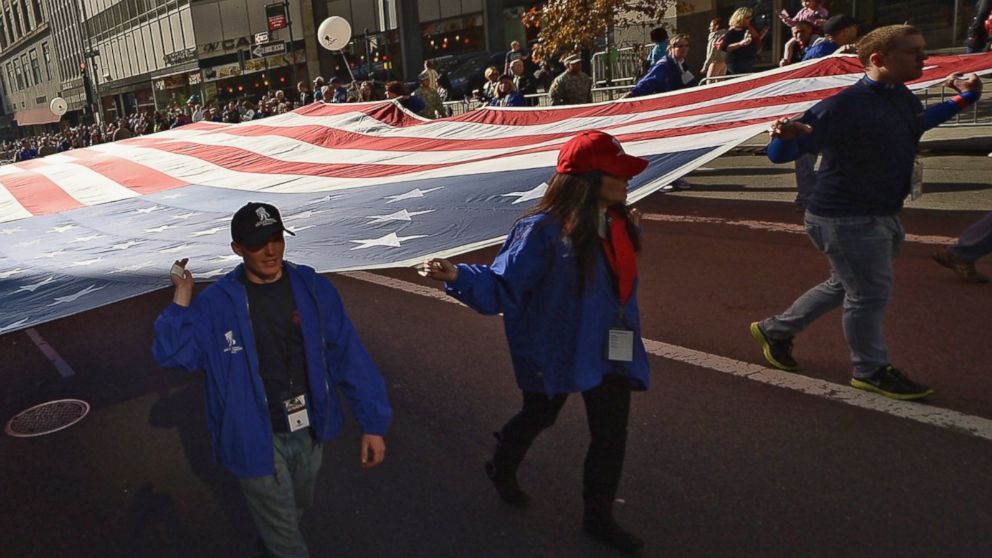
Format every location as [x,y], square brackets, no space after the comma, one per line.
[37,115]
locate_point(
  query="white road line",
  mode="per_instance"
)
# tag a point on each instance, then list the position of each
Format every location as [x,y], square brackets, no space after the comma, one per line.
[919,412]
[61,365]
[774,227]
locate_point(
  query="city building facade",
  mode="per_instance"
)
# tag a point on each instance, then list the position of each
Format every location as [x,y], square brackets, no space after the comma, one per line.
[29,79]
[138,55]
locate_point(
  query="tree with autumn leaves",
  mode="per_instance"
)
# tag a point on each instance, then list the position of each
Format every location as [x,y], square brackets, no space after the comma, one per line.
[573,25]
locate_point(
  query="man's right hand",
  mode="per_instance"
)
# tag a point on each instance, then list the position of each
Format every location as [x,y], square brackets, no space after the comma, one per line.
[786,129]
[182,280]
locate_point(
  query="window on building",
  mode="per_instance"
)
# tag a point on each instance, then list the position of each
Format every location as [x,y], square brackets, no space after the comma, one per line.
[10,76]
[19,75]
[17,23]
[38,17]
[452,36]
[3,85]
[28,23]
[24,67]
[47,53]
[3,34]
[35,68]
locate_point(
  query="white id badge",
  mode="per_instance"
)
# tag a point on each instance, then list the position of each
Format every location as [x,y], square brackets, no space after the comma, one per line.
[621,345]
[916,189]
[296,412]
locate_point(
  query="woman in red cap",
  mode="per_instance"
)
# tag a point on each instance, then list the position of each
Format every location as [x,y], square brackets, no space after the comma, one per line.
[565,281]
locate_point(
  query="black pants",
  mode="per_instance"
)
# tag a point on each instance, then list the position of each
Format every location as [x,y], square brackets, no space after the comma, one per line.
[607,410]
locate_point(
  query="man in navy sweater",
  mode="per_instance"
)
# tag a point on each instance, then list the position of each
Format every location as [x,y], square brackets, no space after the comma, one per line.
[867,135]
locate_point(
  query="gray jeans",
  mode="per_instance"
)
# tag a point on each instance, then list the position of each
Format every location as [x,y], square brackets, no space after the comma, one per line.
[860,251]
[277,502]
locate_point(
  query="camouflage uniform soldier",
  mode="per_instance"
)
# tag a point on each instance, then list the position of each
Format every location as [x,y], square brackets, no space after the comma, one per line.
[573,86]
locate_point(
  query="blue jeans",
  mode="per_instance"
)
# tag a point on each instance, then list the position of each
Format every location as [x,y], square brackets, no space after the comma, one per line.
[277,501]
[860,251]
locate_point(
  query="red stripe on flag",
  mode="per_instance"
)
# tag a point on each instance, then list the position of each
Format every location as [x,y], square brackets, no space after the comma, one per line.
[137,177]
[36,192]
[242,160]
[333,138]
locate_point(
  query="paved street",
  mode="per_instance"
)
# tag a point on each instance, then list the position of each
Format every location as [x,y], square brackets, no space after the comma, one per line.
[726,458]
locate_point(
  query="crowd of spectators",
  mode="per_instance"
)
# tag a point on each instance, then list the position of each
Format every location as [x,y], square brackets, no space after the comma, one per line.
[524,74]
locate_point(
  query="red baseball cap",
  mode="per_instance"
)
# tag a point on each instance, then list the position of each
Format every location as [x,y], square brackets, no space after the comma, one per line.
[598,151]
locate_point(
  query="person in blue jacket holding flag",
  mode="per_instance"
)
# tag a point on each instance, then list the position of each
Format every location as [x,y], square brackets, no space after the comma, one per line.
[565,281]
[277,347]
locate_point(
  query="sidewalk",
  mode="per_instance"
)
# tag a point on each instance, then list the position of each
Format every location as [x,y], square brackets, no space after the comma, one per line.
[957,172]
[943,140]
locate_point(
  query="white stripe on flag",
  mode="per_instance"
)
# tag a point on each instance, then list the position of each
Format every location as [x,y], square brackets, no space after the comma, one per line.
[85,185]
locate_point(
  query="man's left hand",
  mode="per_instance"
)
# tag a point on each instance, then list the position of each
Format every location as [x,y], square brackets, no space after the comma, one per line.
[373,450]
[961,83]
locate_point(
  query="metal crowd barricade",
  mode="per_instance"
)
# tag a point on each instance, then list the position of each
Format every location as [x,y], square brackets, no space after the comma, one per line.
[715,79]
[978,114]
[625,67]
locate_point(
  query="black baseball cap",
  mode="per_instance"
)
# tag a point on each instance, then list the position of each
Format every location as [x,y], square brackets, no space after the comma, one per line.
[838,23]
[256,223]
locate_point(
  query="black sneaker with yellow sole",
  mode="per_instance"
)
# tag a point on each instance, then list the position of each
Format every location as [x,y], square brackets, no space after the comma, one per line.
[892,383]
[778,352]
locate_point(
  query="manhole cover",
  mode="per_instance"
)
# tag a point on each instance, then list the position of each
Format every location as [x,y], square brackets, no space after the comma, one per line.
[47,418]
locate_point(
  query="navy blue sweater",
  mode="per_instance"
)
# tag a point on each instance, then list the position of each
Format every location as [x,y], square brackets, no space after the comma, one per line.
[868,136]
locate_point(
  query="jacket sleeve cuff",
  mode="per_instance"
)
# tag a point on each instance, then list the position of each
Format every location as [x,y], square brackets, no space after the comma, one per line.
[174,309]
[460,283]
[376,426]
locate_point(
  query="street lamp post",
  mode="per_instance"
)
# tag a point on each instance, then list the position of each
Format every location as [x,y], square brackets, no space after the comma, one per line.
[89,63]
[292,45]
[368,56]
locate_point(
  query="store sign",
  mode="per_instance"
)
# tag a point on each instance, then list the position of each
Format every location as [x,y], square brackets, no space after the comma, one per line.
[180,57]
[275,14]
[266,50]
[221,72]
[225,45]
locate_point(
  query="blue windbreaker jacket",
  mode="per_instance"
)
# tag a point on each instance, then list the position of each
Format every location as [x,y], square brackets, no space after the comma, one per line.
[214,334]
[558,340]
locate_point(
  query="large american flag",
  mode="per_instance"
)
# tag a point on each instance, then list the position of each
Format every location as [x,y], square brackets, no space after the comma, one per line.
[363,185]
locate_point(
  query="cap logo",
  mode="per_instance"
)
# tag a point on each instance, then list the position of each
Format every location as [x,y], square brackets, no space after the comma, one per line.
[264,218]
[617,143]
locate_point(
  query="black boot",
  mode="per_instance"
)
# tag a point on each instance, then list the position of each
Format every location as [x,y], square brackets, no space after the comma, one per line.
[599,523]
[502,470]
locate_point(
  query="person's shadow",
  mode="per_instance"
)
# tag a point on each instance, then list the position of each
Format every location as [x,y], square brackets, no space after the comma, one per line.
[157,524]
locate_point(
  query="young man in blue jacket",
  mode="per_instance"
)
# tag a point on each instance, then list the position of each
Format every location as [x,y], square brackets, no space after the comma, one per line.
[868,136]
[277,347]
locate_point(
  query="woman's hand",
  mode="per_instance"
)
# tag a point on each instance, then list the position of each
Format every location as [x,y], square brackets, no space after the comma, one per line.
[635,216]
[439,269]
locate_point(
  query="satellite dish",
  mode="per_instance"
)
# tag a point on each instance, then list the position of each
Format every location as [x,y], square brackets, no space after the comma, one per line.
[334,33]
[58,106]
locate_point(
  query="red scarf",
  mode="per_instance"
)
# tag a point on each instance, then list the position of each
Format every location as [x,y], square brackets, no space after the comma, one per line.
[619,251]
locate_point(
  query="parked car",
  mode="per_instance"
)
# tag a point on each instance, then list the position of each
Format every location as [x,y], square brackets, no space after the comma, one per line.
[461,73]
